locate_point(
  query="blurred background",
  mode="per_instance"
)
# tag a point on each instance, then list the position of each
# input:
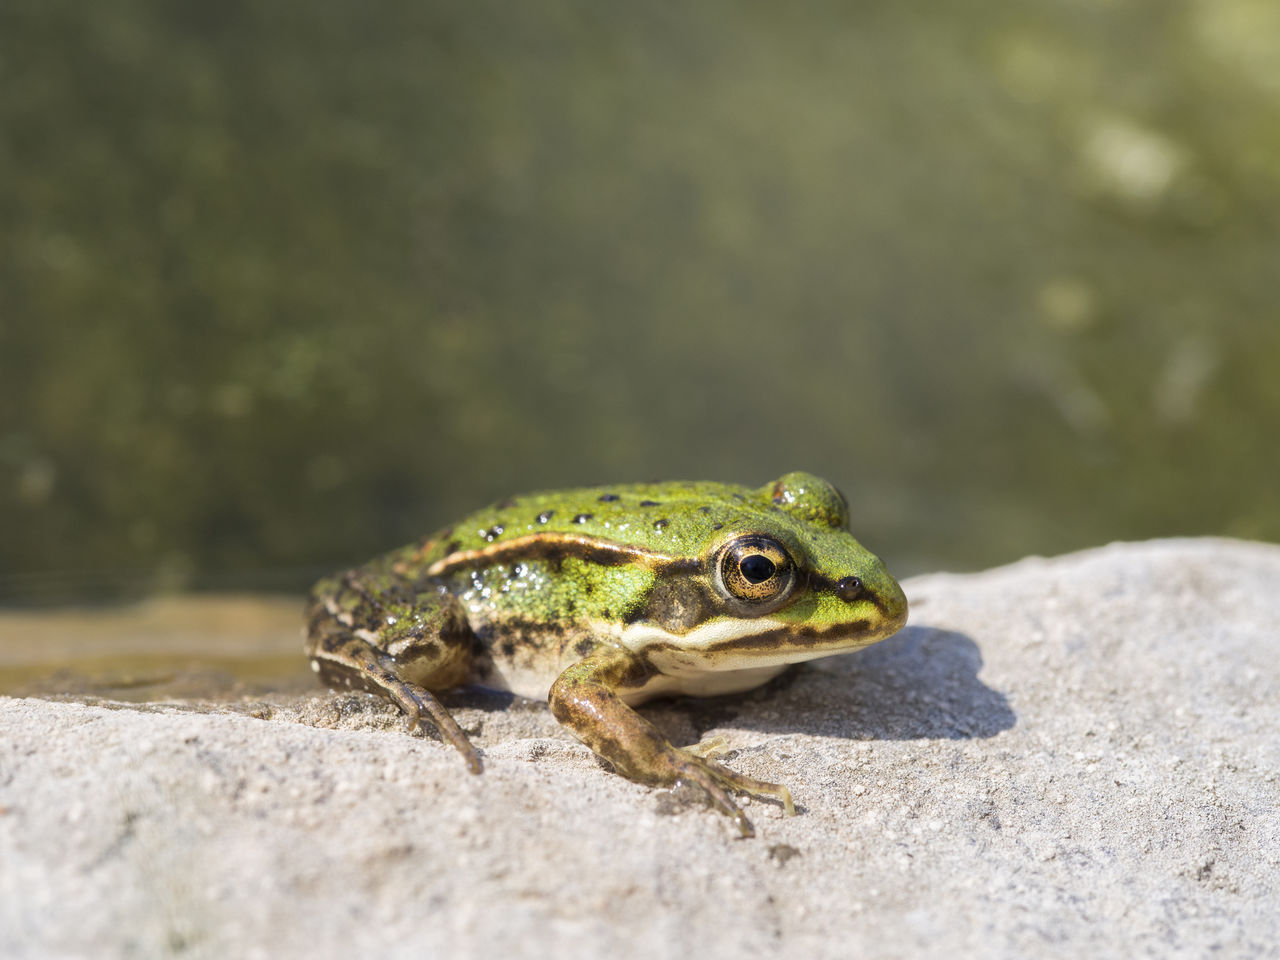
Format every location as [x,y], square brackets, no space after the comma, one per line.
[283,286]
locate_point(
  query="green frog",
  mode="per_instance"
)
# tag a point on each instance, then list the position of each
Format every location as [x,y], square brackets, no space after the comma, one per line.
[599,599]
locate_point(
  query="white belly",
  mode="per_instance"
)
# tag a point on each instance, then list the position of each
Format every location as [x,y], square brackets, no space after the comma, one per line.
[711,683]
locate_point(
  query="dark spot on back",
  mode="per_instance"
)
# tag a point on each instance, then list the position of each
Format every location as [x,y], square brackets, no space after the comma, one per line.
[717,526]
[660,524]
[494,532]
[546,515]
[583,517]
[648,503]
[452,546]
[704,509]
[608,497]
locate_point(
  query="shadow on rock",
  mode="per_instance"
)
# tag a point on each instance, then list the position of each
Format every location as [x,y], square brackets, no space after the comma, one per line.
[920,684]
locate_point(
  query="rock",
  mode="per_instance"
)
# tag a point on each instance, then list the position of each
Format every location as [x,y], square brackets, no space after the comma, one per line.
[1067,757]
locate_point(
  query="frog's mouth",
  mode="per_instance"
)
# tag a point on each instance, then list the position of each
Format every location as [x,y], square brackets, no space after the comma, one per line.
[730,644]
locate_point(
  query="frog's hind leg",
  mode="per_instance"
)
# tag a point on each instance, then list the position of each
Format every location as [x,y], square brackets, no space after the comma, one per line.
[341,656]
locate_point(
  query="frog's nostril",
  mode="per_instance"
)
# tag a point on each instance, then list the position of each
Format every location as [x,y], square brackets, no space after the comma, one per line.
[849,589]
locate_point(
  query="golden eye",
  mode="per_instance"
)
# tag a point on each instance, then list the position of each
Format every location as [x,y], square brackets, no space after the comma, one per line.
[755,570]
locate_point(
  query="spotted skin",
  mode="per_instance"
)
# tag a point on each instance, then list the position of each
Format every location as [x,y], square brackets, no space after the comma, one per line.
[598,599]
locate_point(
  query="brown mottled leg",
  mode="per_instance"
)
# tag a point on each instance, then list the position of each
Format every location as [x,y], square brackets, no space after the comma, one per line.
[585,699]
[342,657]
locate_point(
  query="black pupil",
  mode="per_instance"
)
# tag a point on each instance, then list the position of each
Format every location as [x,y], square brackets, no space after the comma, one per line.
[757,568]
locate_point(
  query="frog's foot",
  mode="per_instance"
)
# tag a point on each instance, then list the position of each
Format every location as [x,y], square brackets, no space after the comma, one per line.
[716,781]
[416,701]
[585,698]
[342,658]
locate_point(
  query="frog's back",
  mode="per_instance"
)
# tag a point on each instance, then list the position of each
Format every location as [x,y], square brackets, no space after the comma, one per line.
[660,517]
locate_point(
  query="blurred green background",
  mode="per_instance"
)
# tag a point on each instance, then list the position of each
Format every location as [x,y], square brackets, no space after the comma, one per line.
[285,285]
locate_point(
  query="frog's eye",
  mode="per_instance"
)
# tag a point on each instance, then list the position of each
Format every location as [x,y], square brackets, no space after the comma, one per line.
[755,570]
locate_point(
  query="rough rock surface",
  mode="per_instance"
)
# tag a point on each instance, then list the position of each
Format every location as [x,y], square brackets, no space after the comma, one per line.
[1060,758]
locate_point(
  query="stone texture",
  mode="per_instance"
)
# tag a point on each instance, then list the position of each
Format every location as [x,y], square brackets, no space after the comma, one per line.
[1059,758]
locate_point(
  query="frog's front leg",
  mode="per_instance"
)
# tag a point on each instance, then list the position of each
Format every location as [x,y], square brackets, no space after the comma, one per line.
[394,648]
[587,699]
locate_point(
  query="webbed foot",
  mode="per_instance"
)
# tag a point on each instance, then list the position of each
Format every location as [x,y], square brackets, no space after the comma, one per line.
[716,781]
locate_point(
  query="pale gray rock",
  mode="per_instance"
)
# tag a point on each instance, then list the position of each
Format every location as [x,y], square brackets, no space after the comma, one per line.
[1060,758]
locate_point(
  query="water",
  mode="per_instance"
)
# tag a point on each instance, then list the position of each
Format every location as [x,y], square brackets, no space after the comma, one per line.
[223,647]
[280,292]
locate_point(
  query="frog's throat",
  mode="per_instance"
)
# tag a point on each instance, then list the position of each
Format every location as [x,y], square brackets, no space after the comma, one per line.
[549,546]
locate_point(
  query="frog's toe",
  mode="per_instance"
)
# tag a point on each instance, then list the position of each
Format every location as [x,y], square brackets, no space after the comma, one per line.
[695,773]
[717,780]
[758,789]
[775,791]
[713,748]
[423,710]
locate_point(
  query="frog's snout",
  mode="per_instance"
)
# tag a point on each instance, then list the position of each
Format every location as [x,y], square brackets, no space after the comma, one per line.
[893,604]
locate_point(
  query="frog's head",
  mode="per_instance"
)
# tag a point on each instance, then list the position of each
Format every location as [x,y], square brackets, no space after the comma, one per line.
[782,580]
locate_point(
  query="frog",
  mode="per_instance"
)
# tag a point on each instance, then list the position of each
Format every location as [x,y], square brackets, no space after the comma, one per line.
[599,599]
